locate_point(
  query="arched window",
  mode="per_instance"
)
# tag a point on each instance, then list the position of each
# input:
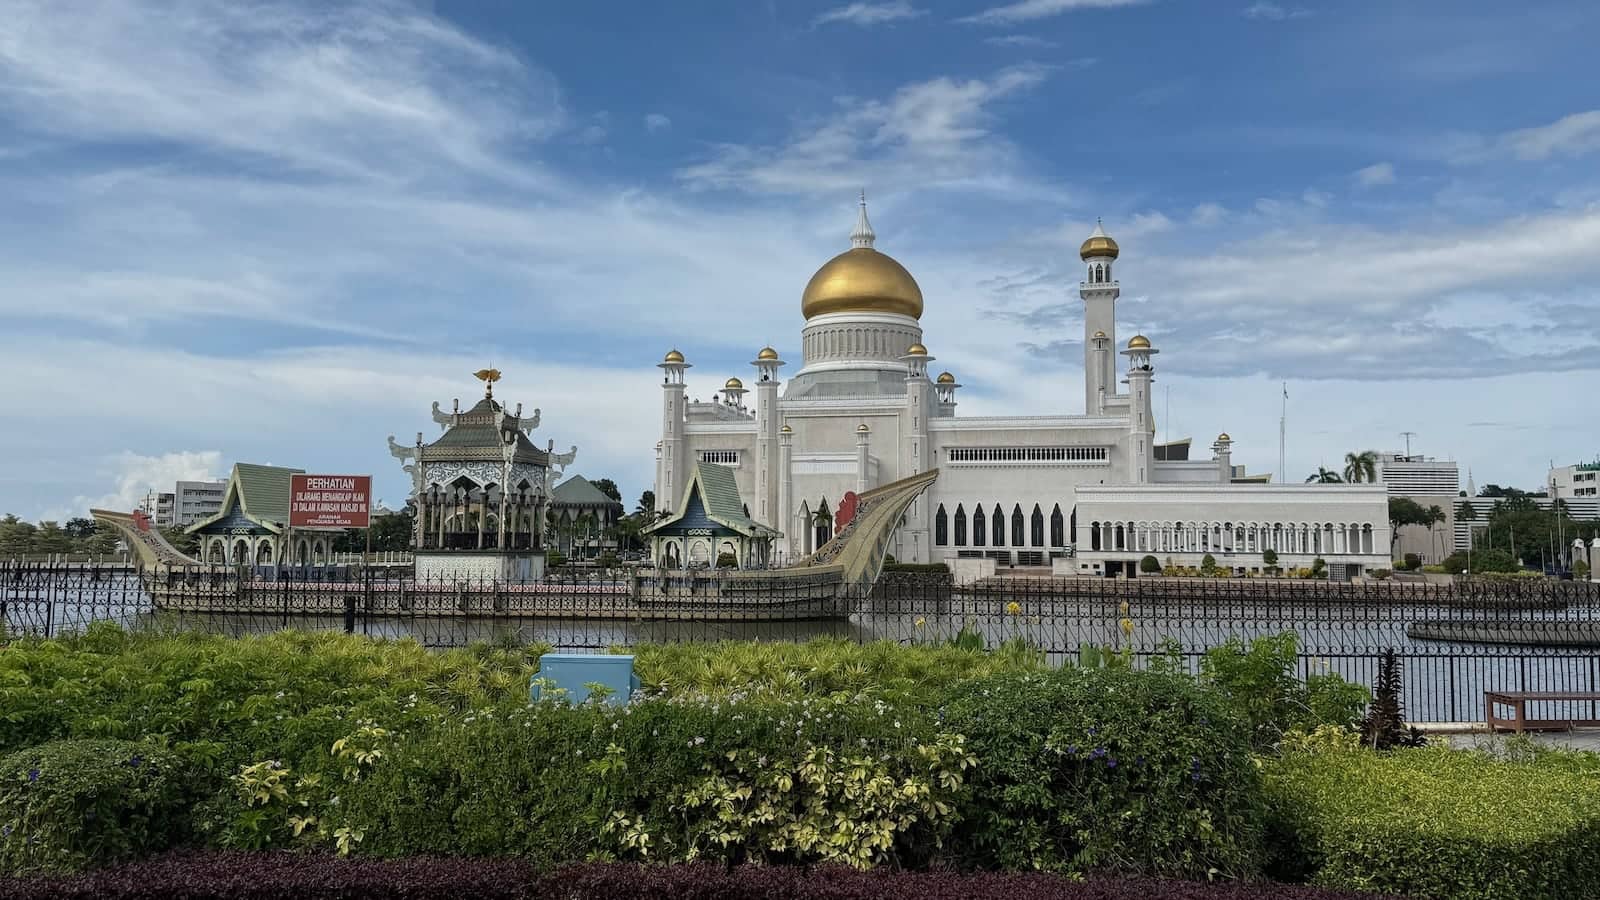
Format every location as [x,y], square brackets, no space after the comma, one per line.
[980,527]
[941,528]
[1016,527]
[1094,535]
[999,523]
[1122,537]
[1038,526]
[961,526]
[1058,537]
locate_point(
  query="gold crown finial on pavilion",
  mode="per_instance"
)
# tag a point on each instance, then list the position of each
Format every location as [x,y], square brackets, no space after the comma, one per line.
[488,377]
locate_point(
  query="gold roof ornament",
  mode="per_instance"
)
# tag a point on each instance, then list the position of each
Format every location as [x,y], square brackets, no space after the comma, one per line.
[488,377]
[1224,439]
[1139,342]
[946,378]
[917,350]
[786,430]
[733,384]
[1098,244]
[673,356]
[1099,335]
[862,280]
[767,353]
[862,428]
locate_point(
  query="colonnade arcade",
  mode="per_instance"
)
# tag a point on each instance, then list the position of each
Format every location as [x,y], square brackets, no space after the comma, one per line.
[265,550]
[1324,538]
[995,527]
[464,515]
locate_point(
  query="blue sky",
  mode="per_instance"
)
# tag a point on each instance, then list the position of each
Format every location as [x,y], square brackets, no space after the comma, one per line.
[275,232]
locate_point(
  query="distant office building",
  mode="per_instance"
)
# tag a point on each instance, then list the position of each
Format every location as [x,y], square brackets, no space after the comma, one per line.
[1576,481]
[1429,482]
[194,501]
[163,512]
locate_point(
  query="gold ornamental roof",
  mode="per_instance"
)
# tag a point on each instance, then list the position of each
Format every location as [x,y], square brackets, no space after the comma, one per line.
[1139,342]
[862,280]
[767,353]
[946,378]
[733,384]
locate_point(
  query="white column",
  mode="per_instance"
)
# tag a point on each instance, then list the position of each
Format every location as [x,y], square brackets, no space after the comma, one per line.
[785,514]
[863,433]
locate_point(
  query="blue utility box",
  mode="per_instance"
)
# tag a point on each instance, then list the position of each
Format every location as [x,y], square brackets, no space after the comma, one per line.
[574,672]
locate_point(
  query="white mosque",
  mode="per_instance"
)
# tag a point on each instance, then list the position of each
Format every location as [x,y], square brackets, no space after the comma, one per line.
[1086,494]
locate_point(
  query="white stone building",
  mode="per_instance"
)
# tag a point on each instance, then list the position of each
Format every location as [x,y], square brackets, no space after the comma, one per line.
[1429,482]
[1087,493]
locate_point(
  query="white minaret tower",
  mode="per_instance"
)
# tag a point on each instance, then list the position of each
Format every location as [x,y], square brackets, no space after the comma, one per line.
[786,490]
[916,454]
[768,509]
[1222,451]
[863,453]
[1141,423]
[1099,291]
[673,465]
[733,390]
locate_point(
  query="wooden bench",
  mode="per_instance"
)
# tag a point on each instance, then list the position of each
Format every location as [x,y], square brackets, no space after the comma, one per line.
[1518,702]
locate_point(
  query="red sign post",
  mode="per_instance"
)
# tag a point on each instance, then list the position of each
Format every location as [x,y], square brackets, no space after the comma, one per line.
[330,501]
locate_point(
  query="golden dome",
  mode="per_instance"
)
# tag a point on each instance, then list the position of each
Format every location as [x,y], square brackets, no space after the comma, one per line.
[786,430]
[1100,335]
[1099,245]
[917,350]
[946,378]
[733,384]
[767,353]
[862,280]
[1139,342]
[1224,439]
[863,428]
[673,356]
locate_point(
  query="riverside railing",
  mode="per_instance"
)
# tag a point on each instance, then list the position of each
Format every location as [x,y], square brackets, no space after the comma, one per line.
[1455,640]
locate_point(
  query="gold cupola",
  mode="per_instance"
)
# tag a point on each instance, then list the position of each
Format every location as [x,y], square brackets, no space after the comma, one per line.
[862,280]
[917,350]
[1139,342]
[1098,244]
[946,378]
[767,353]
[733,384]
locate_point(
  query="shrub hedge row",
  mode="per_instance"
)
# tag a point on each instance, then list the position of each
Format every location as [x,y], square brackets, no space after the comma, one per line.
[289,876]
[1439,823]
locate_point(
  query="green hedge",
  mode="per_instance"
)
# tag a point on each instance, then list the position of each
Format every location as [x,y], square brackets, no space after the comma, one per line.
[1086,769]
[66,805]
[1439,823]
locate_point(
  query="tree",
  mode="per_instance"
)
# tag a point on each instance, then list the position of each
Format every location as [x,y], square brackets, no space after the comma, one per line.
[102,541]
[16,536]
[393,532]
[1149,564]
[1384,727]
[1269,558]
[609,488]
[1466,512]
[1323,476]
[1362,466]
[79,528]
[183,542]
[51,539]
[647,503]
[1404,511]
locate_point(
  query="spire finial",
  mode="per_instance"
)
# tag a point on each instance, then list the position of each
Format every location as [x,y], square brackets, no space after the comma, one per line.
[862,236]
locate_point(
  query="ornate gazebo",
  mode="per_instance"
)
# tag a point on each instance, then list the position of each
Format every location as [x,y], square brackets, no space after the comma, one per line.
[480,491]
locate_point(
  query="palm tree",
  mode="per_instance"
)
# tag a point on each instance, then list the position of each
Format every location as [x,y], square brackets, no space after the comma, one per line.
[1361,466]
[1436,517]
[1324,476]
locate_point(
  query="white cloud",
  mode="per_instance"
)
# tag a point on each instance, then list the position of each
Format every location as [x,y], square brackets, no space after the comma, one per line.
[1019,40]
[135,476]
[268,81]
[1146,223]
[926,134]
[868,14]
[1315,199]
[1028,10]
[654,122]
[1272,12]
[1573,135]
[1375,174]
[1207,214]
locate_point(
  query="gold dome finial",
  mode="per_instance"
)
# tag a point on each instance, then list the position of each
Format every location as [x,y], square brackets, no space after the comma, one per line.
[1098,244]
[1224,439]
[1139,342]
[1100,335]
[862,279]
[786,430]
[767,353]
[673,356]
[917,350]
[733,384]
[946,378]
[862,428]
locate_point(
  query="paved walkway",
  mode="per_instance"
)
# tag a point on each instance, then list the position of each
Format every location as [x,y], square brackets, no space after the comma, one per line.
[1577,739]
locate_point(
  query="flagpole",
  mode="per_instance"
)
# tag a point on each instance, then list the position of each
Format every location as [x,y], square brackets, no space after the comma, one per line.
[1283,417]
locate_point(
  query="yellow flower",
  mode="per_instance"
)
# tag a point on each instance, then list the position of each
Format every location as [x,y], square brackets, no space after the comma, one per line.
[921,621]
[1013,607]
[1123,607]
[1127,627]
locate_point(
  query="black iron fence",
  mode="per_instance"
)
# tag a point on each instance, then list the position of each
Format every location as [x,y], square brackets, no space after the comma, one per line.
[1456,640]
